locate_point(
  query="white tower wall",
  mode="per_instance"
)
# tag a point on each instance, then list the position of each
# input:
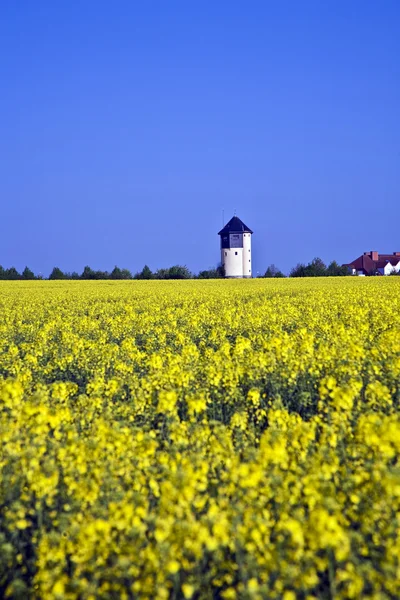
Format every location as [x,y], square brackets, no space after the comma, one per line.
[246,265]
[232,261]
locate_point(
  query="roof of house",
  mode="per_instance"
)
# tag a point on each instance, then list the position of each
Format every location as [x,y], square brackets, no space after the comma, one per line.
[382,263]
[235,225]
[363,263]
[392,258]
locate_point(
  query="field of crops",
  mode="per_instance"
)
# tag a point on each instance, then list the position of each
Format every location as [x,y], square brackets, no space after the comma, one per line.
[200,439]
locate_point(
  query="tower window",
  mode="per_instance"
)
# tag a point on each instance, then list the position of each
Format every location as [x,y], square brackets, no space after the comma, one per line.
[249,249]
[226,254]
[235,253]
[249,260]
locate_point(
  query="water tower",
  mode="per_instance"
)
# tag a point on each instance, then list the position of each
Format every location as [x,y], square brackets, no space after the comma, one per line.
[236,248]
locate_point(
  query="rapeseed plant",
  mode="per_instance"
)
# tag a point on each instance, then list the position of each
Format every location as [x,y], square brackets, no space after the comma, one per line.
[232,439]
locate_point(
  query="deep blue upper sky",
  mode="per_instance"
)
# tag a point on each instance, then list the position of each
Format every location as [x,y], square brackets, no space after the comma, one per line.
[127,127]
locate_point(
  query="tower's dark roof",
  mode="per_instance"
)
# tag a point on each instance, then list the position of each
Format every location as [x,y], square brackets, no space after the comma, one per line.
[235,225]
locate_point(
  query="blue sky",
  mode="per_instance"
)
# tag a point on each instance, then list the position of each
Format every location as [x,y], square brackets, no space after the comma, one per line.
[127,127]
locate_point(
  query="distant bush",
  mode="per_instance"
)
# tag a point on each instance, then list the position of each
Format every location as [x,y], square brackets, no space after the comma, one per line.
[175,272]
[216,273]
[273,271]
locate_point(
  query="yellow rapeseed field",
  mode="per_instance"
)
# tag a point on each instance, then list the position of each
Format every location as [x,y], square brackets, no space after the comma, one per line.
[200,439]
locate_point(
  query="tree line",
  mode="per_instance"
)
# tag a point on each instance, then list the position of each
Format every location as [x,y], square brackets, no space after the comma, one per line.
[174,272]
[315,268]
[12,274]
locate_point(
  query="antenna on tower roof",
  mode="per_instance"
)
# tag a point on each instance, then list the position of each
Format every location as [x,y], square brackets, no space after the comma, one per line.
[234,212]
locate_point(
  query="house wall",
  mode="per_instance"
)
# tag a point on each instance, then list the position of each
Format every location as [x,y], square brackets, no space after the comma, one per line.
[390,268]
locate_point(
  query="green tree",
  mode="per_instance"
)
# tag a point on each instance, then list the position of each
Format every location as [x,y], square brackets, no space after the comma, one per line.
[126,274]
[179,272]
[300,270]
[175,272]
[316,268]
[12,274]
[88,273]
[273,271]
[101,275]
[336,270]
[221,270]
[28,274]
[210,274]
[56,274]
[161,274]
[145,273]
[118,273]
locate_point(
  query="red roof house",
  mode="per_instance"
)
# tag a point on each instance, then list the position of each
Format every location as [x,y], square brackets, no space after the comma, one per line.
[373,263]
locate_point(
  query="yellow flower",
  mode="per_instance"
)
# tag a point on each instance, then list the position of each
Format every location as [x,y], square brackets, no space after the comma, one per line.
[188,590]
